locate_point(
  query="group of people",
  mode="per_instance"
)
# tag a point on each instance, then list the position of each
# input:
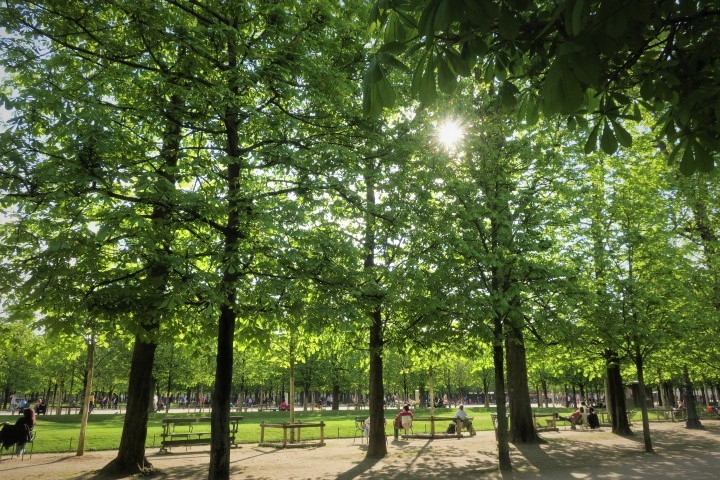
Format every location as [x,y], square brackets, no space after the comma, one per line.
[39,406]
[576,418]
[403,420]
[19,433]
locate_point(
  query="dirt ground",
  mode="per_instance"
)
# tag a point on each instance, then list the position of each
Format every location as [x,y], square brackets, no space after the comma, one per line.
[568,454]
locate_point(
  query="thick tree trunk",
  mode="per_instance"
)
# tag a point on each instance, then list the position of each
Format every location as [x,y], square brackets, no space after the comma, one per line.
[131,453]
[220,401]
[693,421]
[377,446]
[237,206]
[502,430]
[522,427]
[336,397]
[616,395]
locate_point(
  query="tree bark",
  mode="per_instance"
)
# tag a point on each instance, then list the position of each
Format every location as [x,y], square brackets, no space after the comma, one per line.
[522,427]
[693,421]
[501,433]
[377,445]
[616,395]
[131,453]
[643,403]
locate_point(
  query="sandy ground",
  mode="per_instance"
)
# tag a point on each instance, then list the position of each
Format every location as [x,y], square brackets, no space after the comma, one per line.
[568,454]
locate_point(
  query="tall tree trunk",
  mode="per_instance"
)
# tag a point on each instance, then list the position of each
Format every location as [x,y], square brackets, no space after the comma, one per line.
[88,393]
[522,427]
[693,421]
[499,366]
[131,453]
[616,395]
[643,403]
[237,206]
[377,446]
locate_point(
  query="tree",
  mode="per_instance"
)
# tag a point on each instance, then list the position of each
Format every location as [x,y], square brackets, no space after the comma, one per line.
[605,58]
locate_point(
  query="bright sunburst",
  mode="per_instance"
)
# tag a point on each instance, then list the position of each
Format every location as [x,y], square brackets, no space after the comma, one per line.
[449,133]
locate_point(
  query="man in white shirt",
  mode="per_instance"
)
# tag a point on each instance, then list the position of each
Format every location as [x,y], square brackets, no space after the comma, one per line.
[462,415]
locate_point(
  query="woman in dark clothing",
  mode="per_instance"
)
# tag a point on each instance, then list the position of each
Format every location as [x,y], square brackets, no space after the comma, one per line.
[20,433]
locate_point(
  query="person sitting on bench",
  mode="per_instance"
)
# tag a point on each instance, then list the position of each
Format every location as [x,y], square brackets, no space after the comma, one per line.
[462,415]
[575,418]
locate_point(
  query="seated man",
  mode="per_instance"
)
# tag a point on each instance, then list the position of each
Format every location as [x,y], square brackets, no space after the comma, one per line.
[462,415]
[575,418]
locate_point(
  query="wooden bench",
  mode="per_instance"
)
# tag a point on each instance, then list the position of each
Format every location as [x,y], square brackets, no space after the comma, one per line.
[181,432]
[262,408]
[295,430]
[434,433]
[494,418]
[551,421]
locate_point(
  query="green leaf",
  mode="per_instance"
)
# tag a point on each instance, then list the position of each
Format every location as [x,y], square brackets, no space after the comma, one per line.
[687,164]
[623,136]
[572,94]
[703,159]
[428,89]
[460,65]
[586,68]
[447,80]
[608,142]
[508,94]
[578,13]
[591,142]
[426,24]
[392,47]
[508,24]
[444,15]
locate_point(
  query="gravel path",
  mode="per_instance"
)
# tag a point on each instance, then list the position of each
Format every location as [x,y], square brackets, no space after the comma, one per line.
[568,454]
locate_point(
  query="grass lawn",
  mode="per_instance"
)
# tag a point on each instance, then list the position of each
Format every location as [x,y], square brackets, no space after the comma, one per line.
[59,433]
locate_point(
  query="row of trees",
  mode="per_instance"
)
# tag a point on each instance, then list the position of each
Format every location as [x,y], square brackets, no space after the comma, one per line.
[200,173]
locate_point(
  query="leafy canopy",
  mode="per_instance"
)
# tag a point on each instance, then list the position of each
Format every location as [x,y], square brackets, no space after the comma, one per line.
[604,58]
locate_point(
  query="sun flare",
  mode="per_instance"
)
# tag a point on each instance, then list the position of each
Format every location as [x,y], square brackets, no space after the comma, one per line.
[449,133]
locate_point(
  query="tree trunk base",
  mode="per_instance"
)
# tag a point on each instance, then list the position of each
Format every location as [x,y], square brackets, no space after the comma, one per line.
[694,423]
[119,467]
[533,439]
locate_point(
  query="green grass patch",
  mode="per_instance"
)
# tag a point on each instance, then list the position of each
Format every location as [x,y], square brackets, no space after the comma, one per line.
[59,433]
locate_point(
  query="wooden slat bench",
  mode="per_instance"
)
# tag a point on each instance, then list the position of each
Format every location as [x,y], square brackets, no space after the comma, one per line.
[441,433]
[551,420]
[181,432]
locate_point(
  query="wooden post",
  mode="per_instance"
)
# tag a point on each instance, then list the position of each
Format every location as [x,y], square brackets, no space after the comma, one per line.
[432,426]
[284,434]
[322,432]
[262,432]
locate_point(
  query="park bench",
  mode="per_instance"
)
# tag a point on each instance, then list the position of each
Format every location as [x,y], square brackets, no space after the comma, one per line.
[267,408]
[295,431]
[551,421]
[441,432]
[181,432]
[494,418]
